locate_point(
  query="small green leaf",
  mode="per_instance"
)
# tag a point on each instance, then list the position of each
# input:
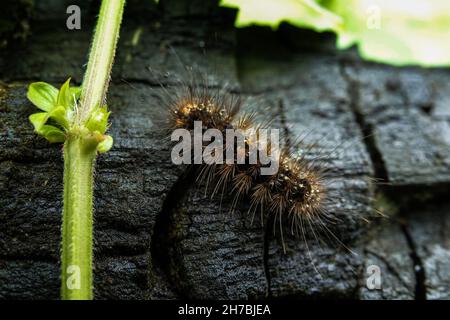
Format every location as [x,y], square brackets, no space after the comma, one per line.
[75,92]
[64,96]
[105,145]
[38,120]
[42,95]
[98,120]
[59,115]
[52,133]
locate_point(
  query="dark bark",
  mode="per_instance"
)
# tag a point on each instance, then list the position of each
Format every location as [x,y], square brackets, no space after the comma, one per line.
[158,236]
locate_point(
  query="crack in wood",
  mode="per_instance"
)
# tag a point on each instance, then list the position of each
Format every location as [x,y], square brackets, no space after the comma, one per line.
[353,91]
[162,242]
[419,269]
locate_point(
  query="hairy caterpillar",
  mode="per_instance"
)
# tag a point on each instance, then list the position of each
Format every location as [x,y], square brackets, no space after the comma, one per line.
[293,196]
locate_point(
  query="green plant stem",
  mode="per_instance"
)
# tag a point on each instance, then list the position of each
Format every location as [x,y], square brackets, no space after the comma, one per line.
[96,79]
[77,220]
[79,159]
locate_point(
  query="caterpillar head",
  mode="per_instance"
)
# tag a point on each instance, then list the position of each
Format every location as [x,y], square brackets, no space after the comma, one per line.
[196,104]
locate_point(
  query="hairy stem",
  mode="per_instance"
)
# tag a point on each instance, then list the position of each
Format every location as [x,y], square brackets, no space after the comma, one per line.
[79,159]
[96,79]
[77,220]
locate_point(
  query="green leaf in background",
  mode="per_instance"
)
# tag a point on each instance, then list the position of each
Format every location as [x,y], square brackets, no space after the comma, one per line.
[301,13]
[42,95]
[398,32]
